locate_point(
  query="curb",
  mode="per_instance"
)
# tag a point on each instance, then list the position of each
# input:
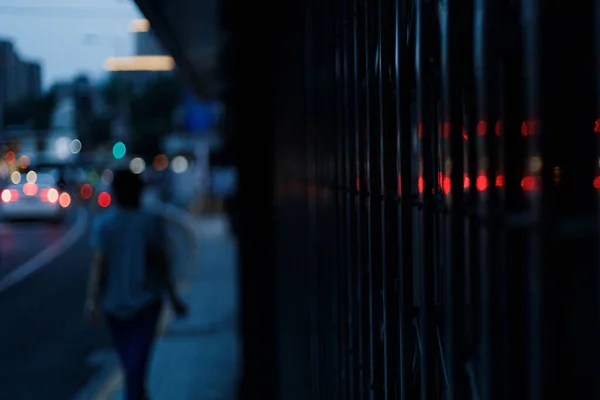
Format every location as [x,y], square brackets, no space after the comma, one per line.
[110,386]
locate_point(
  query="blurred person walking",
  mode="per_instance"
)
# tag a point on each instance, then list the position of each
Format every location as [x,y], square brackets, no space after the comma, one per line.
[129,278]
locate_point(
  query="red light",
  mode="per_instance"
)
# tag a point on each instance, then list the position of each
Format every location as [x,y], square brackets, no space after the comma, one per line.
[597,182]
[421,184]
[420,130]
[399,185]
[10,157]
[64,200]
[465,135]
[481,128]
[500,180]
[498,128]
[466,182]
[447,185]
[597,126]
[104,199]
[481,183]
[86,191]
[446,130]
[30,189]
[529,183]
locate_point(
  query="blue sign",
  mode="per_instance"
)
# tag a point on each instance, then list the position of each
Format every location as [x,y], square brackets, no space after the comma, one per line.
[199,116]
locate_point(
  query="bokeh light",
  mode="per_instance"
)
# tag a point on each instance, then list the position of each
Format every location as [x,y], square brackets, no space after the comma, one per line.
[137,165]
[161,162]
[119,150]
[104,199]
[179,164]
[52,195]
[31,177]
[86,191]
[64,200]
[24,161]
[10,157]
[62,147]
[107,176]
[6,196]
[15,177]
[30,189]
[75,146]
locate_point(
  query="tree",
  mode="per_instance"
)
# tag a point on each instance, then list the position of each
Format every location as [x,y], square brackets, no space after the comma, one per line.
[151,109]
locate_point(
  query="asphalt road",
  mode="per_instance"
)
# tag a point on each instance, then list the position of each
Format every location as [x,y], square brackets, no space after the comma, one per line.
[19,241]
[45,344]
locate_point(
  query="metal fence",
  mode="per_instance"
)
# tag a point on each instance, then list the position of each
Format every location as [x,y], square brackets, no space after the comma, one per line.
[448,160]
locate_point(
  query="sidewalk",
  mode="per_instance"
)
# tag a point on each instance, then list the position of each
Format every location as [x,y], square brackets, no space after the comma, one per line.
[196,358]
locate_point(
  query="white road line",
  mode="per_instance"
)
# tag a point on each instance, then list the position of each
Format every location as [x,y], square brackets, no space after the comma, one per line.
[48,254]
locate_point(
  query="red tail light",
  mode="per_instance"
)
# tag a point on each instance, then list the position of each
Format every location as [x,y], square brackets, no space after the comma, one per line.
[9,195]
[30,189]
[86,191]
[64,200]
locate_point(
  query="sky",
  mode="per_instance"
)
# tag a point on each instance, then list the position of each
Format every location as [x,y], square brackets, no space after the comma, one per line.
[68,37]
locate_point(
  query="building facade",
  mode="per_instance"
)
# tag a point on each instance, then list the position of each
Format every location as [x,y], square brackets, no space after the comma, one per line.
[19,79]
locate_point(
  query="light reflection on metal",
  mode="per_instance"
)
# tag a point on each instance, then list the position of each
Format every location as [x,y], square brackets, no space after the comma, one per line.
[140,63]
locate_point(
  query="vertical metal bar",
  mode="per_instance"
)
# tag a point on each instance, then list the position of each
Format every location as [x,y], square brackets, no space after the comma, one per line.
[530,15]
[350,196]
[516,231]
[340,195]
[310,80]
[486,77]
[373,136]
[362,216]
[332,216]
[453,38]
[425,116]
[404,79]
[373,132]
[391,266]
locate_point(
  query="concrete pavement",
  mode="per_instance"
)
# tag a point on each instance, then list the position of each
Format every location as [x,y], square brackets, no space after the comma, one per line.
[197,358]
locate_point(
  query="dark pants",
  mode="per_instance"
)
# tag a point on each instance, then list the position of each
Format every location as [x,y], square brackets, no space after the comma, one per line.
[133,339]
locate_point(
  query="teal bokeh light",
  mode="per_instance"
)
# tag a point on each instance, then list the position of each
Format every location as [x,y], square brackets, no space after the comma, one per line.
[119,150]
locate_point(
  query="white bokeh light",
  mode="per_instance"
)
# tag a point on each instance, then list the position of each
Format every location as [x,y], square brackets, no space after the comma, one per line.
[52,195]
[137,165]
[15,177]
[31,177]
[62,147]
[179,164]
[75,146]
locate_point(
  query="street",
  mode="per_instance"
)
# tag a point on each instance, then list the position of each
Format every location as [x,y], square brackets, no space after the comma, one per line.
[47,349]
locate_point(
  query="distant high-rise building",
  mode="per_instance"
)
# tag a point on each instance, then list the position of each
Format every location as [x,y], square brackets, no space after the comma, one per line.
[19,80]
[33,73]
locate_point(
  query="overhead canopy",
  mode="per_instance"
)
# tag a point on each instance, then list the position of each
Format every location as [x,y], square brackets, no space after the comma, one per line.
[189,31]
